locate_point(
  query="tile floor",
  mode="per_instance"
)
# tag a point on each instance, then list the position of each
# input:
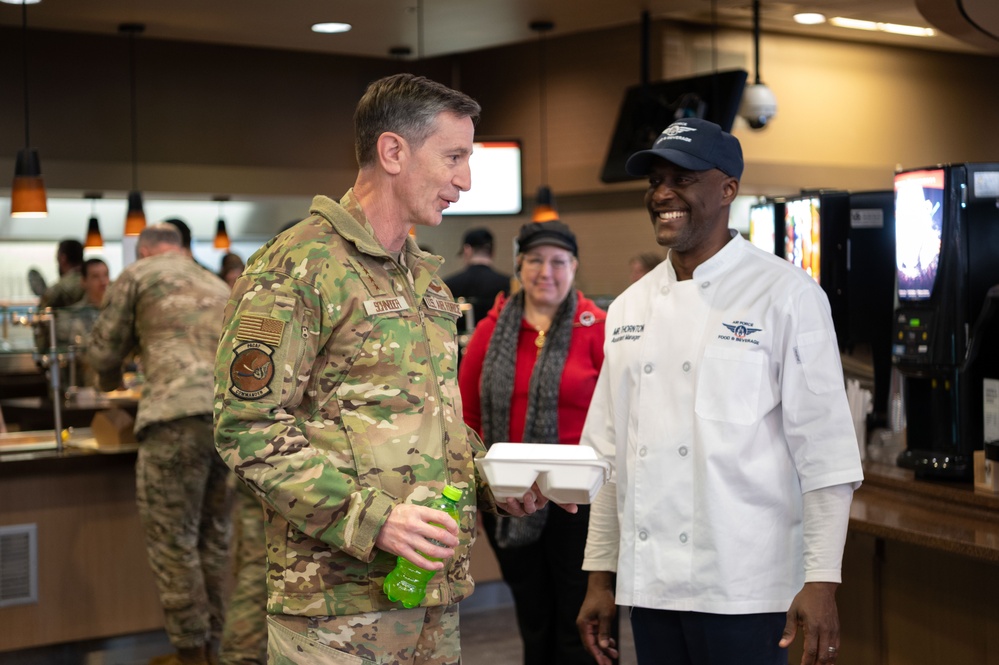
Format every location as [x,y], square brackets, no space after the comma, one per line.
[488,637]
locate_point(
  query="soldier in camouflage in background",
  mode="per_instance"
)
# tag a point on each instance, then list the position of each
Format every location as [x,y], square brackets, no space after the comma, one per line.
[169,310]
[337,397]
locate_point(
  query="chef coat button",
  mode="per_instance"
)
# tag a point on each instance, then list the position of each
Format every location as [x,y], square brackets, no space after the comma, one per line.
[686,366]
[705,285]
[664,290]
[683,451]
[643,451]
[648,368]
[643,535]
[683,537]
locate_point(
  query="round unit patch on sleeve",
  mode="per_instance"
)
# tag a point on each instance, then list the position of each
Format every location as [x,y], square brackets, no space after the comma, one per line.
[251,371]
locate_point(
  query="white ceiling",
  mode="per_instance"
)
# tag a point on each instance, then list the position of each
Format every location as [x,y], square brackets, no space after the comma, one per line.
[439,27]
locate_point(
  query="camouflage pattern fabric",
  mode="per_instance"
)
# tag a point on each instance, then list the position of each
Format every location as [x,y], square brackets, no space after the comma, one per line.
[420,636]
[244,639]
[183,500]
[169,309]
[65,292]
[336,399]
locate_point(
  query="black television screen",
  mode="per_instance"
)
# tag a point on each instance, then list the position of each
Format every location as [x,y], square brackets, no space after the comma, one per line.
[919,214]
[497,183]
[649,108]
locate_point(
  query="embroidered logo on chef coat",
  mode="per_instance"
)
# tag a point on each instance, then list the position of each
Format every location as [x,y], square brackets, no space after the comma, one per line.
[251,371]
[741,331]
[628,333]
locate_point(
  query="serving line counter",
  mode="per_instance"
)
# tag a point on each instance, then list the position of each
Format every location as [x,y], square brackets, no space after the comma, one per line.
[93,578]
[920,573]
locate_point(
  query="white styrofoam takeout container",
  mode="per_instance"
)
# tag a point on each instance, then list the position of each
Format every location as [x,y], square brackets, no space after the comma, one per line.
[565,474]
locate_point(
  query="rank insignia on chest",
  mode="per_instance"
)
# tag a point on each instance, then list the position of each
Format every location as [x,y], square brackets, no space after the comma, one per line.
[251,371]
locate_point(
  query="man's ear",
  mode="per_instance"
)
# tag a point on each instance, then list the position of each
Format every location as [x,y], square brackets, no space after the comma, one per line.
[730,189]
[392,150]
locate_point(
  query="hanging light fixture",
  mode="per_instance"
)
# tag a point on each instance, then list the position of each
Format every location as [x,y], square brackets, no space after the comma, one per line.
[94,239]
[221,237]
[759,104]
[544,208]
[135,219]
[27,198]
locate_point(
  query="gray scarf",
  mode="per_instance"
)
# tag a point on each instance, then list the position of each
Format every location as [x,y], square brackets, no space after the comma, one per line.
[496,391]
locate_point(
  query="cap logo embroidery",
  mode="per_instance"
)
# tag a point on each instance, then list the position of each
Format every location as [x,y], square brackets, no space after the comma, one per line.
[251,371]
[675,133]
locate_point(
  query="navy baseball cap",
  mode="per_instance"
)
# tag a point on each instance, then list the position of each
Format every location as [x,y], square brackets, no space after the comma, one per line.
[691,143]
[555,233]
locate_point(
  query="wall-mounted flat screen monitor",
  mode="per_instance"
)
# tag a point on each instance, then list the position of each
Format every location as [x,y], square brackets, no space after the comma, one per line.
[497,181]
[649,108]
[803,234]
[919,218]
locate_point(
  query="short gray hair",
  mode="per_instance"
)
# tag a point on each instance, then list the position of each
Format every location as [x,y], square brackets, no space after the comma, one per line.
[407,105]
[159,234]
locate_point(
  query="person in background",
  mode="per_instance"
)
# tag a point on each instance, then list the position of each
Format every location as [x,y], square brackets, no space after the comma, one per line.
[337,397]
[722,408]
[74,323]
[231,268]
[528,375]
[186,239]
[479,283]
[169,311]
[65,292]
[642,264]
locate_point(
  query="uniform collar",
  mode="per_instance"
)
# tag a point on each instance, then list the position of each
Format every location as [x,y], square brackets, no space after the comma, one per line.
[718,264]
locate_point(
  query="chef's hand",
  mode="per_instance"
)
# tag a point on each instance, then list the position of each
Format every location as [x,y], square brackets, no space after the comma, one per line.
[411,531]
[532,502]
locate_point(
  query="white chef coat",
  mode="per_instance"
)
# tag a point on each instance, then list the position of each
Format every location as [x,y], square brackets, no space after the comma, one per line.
[720,402]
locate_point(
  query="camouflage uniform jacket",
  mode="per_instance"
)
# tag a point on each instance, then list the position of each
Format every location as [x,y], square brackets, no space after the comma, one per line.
[169,310]
[337,399]
[65,292]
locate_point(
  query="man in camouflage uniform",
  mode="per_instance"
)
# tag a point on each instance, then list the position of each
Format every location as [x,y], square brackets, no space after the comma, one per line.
[169,310]
[337,397]
[69,288]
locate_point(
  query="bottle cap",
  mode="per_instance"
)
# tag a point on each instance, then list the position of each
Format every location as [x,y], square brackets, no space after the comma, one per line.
[451,492]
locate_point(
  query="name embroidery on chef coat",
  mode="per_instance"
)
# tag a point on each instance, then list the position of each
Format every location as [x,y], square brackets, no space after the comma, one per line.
[627,333]
[741,331]
[251,371]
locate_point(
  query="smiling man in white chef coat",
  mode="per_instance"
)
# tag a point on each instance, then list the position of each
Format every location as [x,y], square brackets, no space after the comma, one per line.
[721,405]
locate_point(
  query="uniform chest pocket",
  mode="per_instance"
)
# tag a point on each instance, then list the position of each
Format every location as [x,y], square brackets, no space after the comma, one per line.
[728,385]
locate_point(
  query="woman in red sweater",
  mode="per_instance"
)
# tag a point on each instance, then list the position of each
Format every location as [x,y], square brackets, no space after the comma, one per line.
[527,376]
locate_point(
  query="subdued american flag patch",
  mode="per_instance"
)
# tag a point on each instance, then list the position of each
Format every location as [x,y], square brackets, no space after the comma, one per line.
[260,329]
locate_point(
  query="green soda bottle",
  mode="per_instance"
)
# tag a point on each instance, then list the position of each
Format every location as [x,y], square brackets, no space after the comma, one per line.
[407,583]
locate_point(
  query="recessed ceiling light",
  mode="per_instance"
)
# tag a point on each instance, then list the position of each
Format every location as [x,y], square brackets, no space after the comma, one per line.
[853,23]
[809,18]
[912,30]
[330,28]
[894,28]
[20,2]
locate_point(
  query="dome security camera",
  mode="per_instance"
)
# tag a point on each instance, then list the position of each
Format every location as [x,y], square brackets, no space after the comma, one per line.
[759,105]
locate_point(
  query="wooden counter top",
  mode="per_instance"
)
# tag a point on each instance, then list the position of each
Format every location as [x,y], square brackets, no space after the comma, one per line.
[941,515]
